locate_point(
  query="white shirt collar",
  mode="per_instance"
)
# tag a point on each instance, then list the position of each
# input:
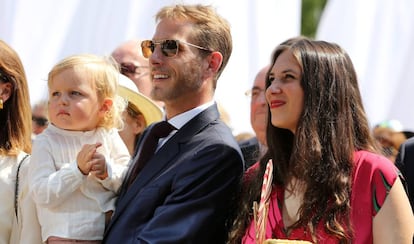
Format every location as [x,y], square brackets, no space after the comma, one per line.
[180,120]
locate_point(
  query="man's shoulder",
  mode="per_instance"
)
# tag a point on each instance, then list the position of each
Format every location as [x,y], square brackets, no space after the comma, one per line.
[406,153]
[409,143]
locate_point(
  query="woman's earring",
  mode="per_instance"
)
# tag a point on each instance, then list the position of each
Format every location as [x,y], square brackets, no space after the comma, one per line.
[1,104]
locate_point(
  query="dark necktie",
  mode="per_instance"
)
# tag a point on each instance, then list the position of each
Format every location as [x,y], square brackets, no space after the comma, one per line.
[149,145]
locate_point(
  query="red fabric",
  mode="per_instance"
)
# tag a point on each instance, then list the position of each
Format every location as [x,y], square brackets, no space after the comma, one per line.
[373,177]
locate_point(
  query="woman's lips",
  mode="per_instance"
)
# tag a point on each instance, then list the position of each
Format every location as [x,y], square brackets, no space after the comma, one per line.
[276,103]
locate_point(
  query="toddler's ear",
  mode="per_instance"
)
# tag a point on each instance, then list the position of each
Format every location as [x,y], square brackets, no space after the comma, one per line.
[106,105]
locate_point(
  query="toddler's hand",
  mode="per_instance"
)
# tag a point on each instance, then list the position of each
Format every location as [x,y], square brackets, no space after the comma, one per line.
[98,166]
[85,157]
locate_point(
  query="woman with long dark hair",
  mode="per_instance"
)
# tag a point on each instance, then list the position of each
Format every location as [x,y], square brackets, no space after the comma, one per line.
[322,179]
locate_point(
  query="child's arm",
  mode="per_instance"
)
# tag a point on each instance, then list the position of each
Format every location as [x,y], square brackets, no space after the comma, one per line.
[51,182]
[117,162]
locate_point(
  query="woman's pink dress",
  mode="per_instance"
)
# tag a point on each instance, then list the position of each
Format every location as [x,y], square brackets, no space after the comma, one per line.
[373,178]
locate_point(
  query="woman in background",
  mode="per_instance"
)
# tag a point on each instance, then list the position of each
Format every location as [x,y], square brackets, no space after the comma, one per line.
[18,222]
[140,112]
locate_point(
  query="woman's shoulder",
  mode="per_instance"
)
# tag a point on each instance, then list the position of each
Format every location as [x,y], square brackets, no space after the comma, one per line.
[373,177]
[23,161]
[373,161]
[12,160]
[374,170]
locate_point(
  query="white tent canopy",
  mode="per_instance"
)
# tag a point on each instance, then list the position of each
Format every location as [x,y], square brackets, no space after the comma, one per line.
[45,31]
[379,37]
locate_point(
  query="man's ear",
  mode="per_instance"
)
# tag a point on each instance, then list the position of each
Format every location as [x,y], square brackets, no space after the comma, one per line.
[215,61]
[106,105]
[5,91]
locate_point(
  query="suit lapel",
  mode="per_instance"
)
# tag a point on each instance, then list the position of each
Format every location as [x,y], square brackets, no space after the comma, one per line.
[164,157]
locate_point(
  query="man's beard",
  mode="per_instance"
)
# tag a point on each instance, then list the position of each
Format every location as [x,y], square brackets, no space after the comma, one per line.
[187,81]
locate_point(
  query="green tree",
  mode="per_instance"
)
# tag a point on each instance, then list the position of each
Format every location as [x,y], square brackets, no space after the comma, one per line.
[311,13]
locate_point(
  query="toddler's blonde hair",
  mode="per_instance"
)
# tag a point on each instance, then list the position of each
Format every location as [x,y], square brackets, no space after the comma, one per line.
[103,73]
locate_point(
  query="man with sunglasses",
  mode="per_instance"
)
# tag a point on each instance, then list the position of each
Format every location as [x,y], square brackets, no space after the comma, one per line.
[134,65]
[39,118]
[184,193]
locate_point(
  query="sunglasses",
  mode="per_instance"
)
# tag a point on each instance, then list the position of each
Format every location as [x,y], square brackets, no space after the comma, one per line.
[40,121]
[130,68]
[169,48]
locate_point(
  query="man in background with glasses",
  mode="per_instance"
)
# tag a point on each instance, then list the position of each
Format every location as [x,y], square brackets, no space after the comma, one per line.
[184,192]
[39,117]
[133,65]
[255,147]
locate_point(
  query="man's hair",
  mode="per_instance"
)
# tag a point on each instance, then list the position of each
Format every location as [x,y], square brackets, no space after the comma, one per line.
[210,29]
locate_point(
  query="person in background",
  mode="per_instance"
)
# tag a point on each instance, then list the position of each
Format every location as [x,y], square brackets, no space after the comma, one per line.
[224,114]
[18,222]
[390,135]
[78,162]
[405,163]
[253,148]
[183,193]
[141,111]
[39,117]
[133,65]
[322,179]
[243,137]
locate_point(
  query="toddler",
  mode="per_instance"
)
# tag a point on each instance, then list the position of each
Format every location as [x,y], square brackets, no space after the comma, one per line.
[78,161]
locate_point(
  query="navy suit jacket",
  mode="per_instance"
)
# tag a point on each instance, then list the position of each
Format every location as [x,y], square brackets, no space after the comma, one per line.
[405,163]
[250,149]
[185,191]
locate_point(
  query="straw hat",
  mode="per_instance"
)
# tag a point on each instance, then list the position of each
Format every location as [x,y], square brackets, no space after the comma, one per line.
[129,91]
